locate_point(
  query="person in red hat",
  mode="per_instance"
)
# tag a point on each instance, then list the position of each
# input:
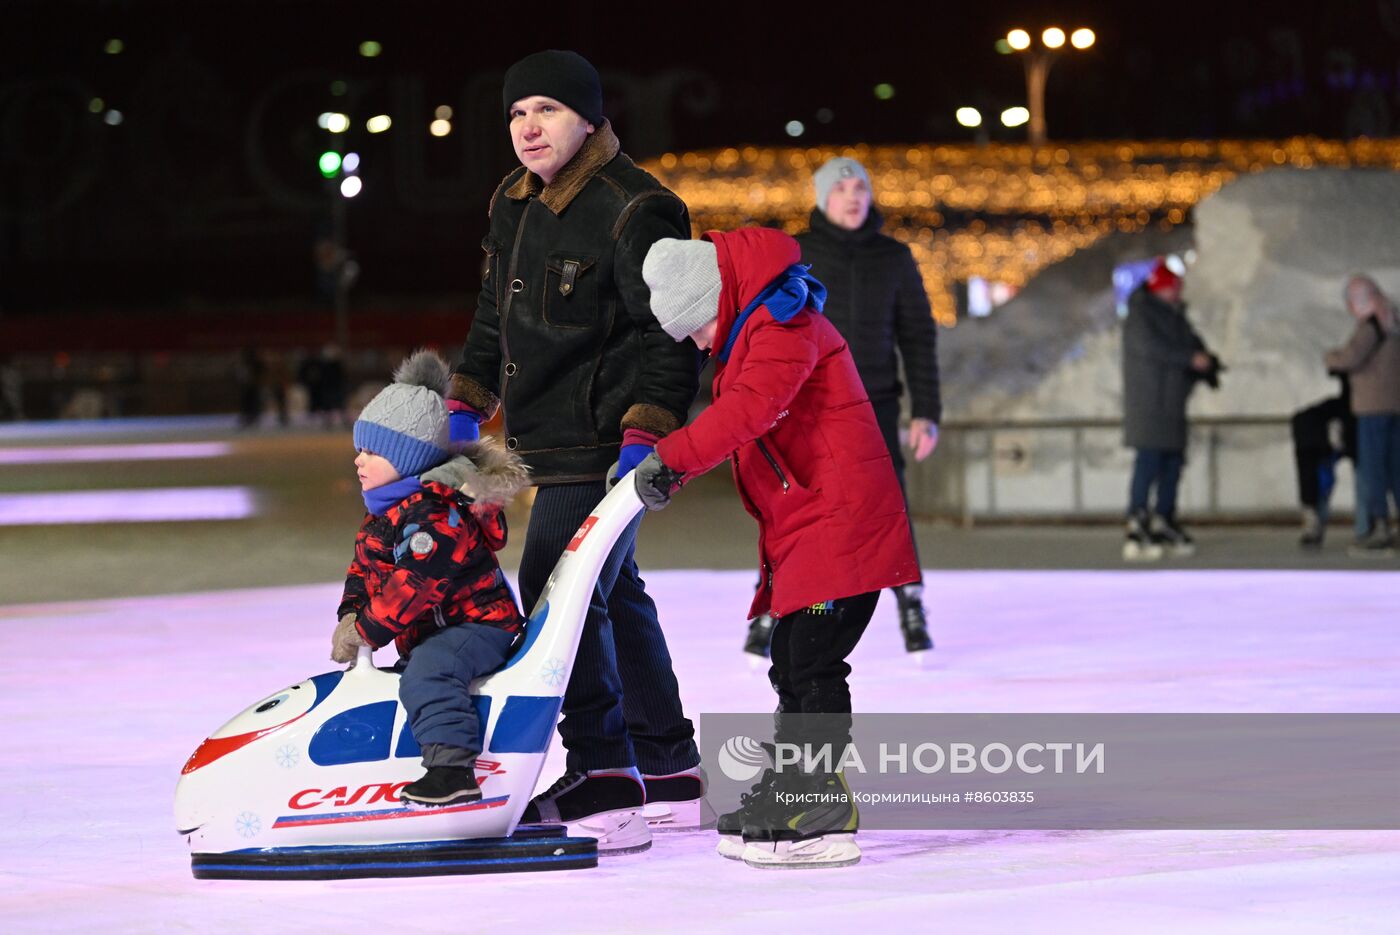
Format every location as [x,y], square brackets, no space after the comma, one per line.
[1163,359]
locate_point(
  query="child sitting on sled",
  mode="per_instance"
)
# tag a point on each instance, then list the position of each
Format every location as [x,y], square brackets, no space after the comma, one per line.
[425,575]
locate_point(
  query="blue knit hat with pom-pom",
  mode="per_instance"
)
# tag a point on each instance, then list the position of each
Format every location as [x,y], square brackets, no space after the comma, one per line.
[406,422]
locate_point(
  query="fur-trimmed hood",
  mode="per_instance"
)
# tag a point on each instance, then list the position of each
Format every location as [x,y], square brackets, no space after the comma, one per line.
[484,471]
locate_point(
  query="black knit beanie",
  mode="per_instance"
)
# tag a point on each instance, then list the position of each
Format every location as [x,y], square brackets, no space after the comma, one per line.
[567,77]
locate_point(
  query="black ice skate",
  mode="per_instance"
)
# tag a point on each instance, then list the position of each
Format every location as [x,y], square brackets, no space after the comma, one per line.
[443,785]
[676,801]
[603,803]
[912,622]
[1174,540]
[816,829]
[1138,544]
[760,635]
[730,825]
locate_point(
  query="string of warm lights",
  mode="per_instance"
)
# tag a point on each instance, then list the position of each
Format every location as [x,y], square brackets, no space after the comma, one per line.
[1001,211]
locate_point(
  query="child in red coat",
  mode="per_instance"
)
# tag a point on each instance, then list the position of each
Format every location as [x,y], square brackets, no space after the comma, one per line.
[425,575]
[792,416]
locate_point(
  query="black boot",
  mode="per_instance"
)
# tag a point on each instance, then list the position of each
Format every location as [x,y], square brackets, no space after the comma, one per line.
[760,635]
[444,785]
[912,622]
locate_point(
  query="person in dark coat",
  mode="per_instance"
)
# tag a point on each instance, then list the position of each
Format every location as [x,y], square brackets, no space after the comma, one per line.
[565,345]
[876,300]
[1324,433]
[792,416]
[1163,359]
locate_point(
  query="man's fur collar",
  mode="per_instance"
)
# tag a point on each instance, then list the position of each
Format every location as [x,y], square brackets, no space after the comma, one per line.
[485,471]
[598,150]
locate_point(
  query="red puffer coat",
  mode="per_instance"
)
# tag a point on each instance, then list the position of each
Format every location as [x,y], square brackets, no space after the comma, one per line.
[791,413]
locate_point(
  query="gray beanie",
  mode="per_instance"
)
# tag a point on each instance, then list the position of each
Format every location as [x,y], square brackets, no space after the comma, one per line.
[406,422]
[833,171]
[683,276]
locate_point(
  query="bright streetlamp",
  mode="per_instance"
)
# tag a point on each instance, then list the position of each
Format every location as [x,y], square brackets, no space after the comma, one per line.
[1038,60]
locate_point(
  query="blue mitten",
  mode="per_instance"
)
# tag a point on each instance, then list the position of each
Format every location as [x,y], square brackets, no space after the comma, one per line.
[631,456]
[464,425]
[636,445]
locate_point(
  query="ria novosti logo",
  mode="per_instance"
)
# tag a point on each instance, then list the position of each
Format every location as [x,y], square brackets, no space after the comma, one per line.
[742,758]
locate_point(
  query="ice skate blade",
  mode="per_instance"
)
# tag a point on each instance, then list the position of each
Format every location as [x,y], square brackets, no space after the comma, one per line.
[829,850]
[731,846]
[617,833]
[676,817]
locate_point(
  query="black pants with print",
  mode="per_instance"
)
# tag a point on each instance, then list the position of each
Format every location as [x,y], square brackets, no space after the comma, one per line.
[809,669]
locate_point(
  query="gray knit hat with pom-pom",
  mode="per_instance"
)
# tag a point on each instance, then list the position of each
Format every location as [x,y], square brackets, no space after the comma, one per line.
[406,422]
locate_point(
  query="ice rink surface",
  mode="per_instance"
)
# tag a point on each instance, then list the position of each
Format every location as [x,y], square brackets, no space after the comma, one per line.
[104,700]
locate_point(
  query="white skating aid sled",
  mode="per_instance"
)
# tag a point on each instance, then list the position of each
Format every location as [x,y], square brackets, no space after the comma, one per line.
[304,783]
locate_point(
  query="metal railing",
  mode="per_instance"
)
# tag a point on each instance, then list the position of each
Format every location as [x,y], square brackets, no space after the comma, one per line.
[1238,468]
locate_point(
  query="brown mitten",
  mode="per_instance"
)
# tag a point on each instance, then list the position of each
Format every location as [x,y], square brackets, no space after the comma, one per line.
[346,641]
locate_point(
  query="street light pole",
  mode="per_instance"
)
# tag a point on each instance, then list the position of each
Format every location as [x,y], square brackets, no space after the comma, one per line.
[1037,62]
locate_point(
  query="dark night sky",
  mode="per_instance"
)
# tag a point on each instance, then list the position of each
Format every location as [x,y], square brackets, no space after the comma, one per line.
[1156,69]
[170,207]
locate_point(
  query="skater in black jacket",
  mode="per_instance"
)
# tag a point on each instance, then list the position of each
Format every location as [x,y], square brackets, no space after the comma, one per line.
[876,299]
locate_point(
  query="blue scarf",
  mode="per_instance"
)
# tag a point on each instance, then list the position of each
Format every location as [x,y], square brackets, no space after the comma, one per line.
[794,289]
[378,500]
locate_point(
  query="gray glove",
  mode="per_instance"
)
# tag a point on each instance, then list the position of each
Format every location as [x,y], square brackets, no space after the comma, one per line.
[346,641]
[655,482]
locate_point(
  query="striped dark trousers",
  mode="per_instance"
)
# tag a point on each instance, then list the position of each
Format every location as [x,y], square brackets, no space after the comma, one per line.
[622,706]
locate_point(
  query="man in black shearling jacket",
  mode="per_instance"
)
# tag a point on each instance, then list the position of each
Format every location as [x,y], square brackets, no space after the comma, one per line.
[564,343]
[876,299]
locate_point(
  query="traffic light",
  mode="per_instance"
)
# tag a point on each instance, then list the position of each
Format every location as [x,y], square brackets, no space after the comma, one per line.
[330,163]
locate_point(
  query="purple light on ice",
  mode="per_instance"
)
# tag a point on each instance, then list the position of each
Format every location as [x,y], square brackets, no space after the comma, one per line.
[160,505]
[172,451]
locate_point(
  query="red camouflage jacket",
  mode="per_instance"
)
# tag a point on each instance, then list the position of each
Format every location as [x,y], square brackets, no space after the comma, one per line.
[429,562]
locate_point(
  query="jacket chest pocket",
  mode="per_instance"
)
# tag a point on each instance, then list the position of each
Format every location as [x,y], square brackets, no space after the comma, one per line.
[571,290]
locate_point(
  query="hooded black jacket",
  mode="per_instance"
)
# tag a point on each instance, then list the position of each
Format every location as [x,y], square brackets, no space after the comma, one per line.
[876,299]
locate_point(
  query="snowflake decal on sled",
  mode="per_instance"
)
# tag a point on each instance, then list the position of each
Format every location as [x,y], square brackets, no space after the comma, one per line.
[248,825]
[288,756]
[553,672]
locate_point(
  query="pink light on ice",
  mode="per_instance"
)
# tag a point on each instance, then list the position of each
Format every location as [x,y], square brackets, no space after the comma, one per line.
[159,505]
[172,451]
